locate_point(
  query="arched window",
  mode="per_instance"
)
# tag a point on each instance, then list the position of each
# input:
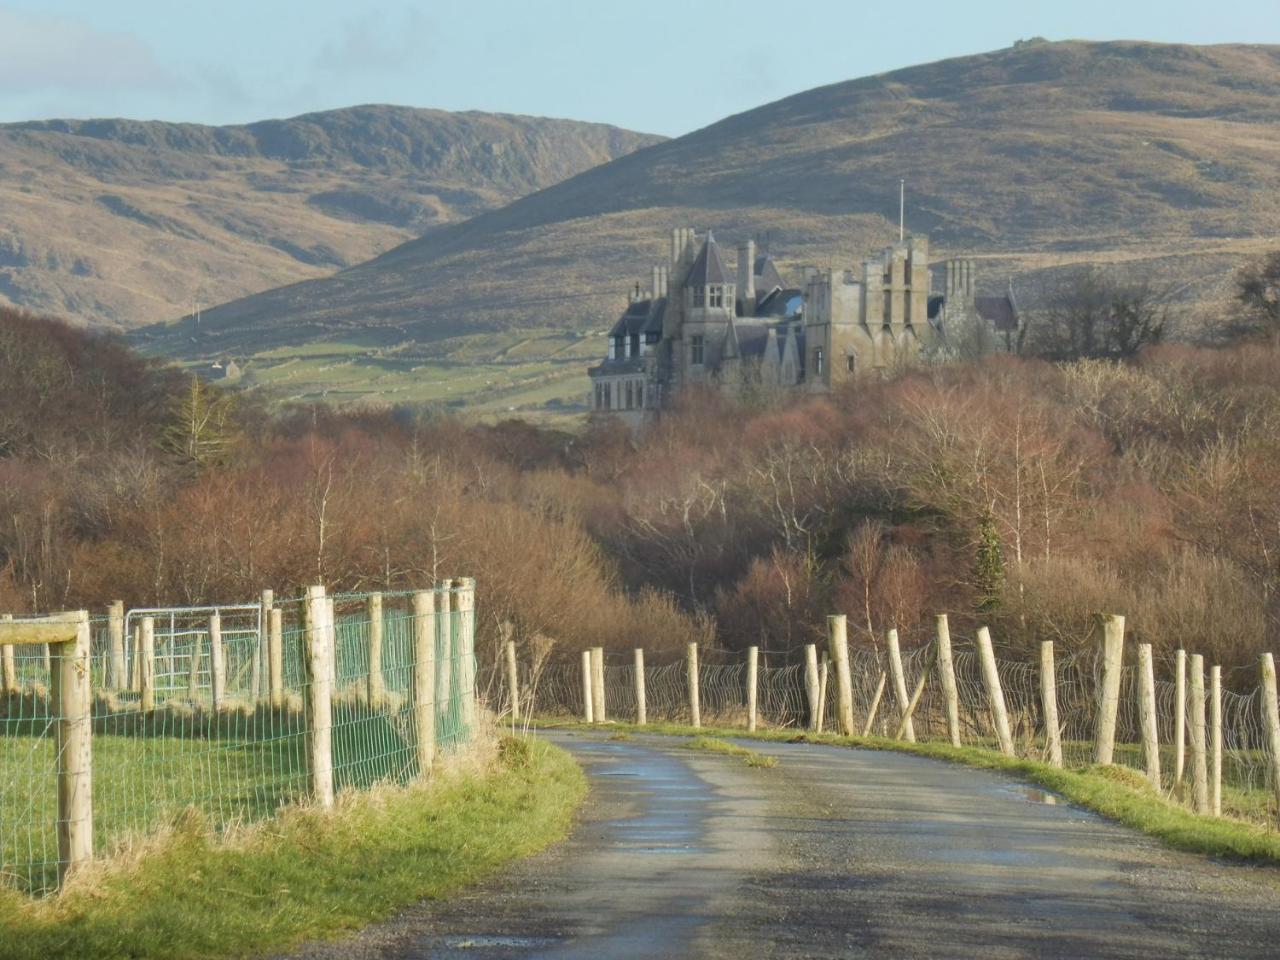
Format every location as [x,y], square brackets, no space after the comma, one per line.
[849,363]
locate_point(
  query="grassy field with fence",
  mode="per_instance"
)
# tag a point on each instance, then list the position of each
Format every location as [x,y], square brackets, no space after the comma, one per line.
[233,711]
[1201,737]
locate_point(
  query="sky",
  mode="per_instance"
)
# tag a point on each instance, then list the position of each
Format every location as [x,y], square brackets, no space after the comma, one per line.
[661,66]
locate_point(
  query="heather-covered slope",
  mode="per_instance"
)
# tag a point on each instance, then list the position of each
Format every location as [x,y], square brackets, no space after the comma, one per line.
[1163,155]
[124,222]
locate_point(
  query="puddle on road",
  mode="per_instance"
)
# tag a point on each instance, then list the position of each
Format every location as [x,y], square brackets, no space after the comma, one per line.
[1036,795]
[664,849]
[490,942]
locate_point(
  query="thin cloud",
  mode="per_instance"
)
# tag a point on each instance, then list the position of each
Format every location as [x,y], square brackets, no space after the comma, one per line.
[377,44]
[42,53]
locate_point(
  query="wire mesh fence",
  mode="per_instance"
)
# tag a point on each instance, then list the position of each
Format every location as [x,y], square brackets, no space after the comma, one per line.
[1247,781]
[211,712]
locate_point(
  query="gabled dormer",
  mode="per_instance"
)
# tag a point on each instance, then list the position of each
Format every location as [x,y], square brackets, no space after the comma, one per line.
[710,286]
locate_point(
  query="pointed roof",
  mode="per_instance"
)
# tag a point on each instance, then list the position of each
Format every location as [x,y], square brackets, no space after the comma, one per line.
[766,273]
[998,311]
[641,316]
[730,348]
[709,268]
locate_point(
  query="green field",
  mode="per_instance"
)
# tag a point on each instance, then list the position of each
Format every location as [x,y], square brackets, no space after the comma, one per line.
[306,873]
[244,768]
[537,374]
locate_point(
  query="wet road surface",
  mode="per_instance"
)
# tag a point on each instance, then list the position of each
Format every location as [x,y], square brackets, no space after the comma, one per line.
[833,853]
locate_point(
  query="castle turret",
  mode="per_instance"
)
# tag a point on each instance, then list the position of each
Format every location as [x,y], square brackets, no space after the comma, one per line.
[873,313]
[916,302]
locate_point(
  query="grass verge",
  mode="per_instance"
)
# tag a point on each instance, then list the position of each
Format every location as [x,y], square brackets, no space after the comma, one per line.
[1117,793]
[305,874]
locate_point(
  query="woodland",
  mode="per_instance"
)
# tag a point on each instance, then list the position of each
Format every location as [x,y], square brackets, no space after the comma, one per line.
[1015,491]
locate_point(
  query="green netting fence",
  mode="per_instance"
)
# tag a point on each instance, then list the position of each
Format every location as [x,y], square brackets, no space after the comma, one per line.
[215,712]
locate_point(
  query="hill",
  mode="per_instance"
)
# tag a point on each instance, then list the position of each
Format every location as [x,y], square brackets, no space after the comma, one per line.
[1163,156]
[122,222]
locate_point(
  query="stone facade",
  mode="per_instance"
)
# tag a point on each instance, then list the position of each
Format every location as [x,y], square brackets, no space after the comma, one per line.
[699,323]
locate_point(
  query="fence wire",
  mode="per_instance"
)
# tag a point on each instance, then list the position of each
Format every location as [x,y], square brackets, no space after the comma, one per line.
[1247,790]
[234,761]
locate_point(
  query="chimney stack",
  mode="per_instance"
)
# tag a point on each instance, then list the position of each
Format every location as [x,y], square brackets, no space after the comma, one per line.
[747,277]
[655,285]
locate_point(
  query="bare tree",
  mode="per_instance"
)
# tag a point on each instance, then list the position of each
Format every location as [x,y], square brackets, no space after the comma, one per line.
[1097,314]
[1258,297]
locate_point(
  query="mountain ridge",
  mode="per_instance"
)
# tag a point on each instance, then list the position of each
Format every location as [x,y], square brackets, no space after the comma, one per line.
[124,222]
[1027,158]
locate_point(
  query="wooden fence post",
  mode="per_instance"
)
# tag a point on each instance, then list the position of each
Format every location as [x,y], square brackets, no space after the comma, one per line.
[424,678]
[1049,703]
[335,641]
[1271,720]
[319,696]
[597,684]
[1179,720]
[115,643]
[947,672]
[446,643]
[135,666]
[642,711]
[691,669]
[824,673]
[753,679]
[376,685]
[1215,738]
[916,694]
[875,704]
[217,663]
[446,632]
[900,686]
[1104,735]
[8,665]
[995,695]
[838,648]
[811,683]
[275,657]
[466,642]
[147,665]
[67,636]
[588,715]
[74,748]
[1147,713]
[513,682]
[1199,758]
[257,670]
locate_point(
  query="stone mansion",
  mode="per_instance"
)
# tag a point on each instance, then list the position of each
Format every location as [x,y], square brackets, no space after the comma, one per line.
[699,323]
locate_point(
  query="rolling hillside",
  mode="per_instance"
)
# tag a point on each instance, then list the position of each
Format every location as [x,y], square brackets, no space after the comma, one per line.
[1164,156]
[124,223]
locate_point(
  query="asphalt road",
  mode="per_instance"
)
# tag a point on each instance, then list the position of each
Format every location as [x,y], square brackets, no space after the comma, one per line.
[833,853]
